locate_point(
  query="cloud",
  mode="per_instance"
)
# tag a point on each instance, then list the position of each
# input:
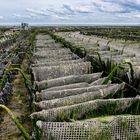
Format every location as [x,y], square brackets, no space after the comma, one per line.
[131,15]
[21,16]
[137,15]
[108,6]
[71,11]
[52,13]
[60,17]
[127,5]
[123,2]
[80,8]
[37,12]
[1,17]
[59,12]
[101,10]
[68,8]
[85,9]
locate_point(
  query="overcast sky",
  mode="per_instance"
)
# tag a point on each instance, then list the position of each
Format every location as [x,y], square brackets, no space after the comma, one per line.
[70,11]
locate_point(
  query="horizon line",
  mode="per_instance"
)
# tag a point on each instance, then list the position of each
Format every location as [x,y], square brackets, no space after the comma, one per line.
[73,24]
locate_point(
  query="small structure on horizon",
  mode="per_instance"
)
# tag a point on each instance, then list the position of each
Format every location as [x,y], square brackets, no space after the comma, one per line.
[24,26]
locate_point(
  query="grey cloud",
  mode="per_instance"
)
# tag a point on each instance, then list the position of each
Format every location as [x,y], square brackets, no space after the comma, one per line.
[37,12]
[60,17]
[69,8]
[70,11]
[127,5]
[21,16]
[60,12]
[54,15]
[108,6]
[130,15]
[79,8]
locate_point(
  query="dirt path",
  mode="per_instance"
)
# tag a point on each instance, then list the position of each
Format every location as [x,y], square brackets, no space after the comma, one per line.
[19,105]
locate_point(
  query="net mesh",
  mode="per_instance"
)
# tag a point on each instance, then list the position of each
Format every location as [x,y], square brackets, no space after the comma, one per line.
[120,128]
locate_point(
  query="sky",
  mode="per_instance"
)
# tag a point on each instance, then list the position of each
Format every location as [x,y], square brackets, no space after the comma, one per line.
[70,11]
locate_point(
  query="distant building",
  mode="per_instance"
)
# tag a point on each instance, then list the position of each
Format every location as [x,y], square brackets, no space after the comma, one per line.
[24,26]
